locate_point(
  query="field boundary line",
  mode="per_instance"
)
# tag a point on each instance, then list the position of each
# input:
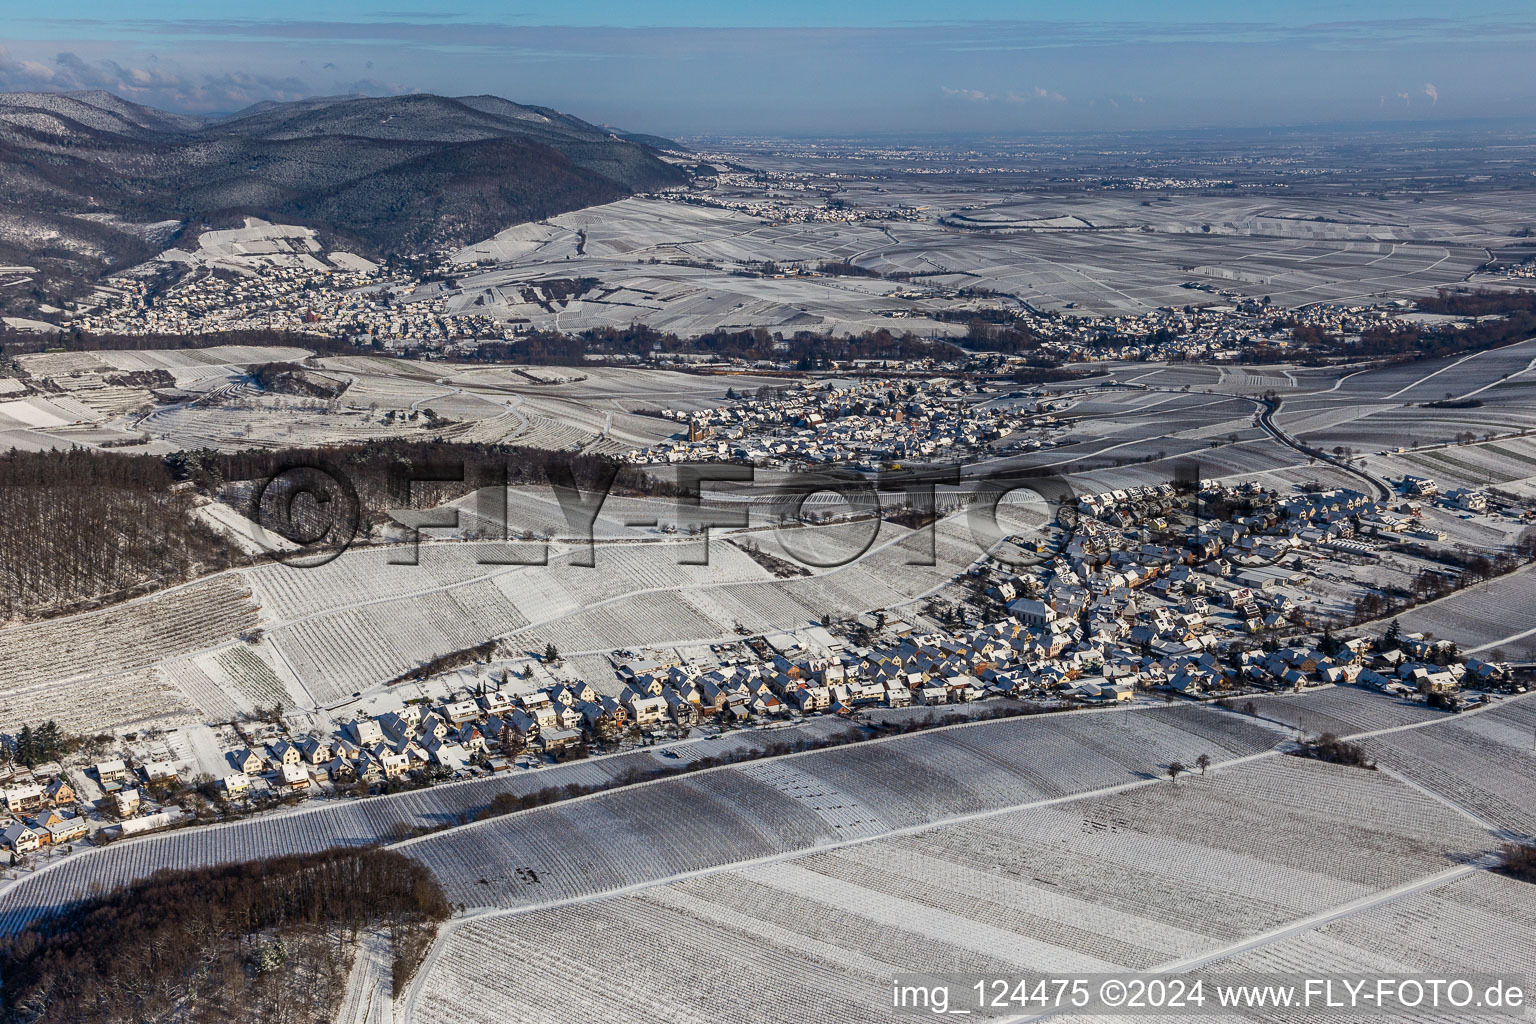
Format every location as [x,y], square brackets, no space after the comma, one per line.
[1493,829]
[1301,926]
[874,741]
[486,913]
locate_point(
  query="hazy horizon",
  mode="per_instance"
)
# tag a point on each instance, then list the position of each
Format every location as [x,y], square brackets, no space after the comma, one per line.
[802,69]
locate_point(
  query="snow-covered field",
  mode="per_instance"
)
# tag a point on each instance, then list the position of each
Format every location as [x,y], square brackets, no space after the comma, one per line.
[1485,764]
[361,620]
[772,808]
[350,626]
[259,243]
[323,824]
[101,669]
[1476,924]
[1499,615]
[668,263]
[1043,844]
[1343,710]
[1129,880]
[591,409]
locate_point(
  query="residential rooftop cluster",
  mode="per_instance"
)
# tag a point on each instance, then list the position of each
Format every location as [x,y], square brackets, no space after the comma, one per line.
[41,807]
[1218,332]
[363,306]
[1156,592]
[1526,269]
[754,193]
[867,422]
[1145,595]
[1137,600]
[409,311]
[1141,182]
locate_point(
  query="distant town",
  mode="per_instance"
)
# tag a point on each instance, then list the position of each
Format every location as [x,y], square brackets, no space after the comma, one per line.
[378,311]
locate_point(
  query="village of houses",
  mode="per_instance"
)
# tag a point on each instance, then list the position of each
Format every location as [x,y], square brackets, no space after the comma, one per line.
[1142,602]
[277,278]
[868,423]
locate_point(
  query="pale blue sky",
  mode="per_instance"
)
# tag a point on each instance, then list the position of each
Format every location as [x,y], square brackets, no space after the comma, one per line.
[798,66]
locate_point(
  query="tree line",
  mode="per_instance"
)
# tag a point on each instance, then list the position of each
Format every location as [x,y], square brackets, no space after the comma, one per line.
[82,527]
[1479,302]
[806,350]
[32,747]
[1514,320]
[14,343]
[79,527]
[266,942]
[448,662]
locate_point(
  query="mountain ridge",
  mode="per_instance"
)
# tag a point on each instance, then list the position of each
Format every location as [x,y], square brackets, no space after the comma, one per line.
[98,183]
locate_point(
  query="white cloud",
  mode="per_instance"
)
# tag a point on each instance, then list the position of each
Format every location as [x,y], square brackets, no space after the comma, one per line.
[1035,95]
[1432,93]
[974,95]
[155,86]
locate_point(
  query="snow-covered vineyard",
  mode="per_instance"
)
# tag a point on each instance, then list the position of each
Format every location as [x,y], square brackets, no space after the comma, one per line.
[1485,764]
[50,663]
[362,620]
[1101,883]
[815,796]
[1342,712]
[1476,923]
[311,828]
[1499,616]
[1232,680]
[1042,843]
[756,861]
[774,807]
[744,812]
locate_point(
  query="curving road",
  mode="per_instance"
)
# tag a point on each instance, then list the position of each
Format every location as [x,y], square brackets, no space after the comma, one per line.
[1267,421]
